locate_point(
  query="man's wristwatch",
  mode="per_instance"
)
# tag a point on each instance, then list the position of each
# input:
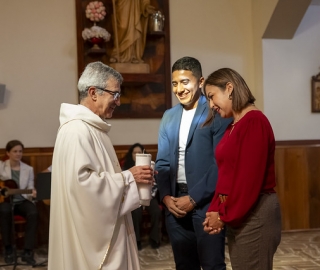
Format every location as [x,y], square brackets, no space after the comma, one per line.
[192,201]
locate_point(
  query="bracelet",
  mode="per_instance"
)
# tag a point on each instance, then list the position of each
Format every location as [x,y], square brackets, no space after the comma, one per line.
[192,201]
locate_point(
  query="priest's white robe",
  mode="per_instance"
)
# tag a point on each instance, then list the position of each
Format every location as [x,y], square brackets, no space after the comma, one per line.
[91,199]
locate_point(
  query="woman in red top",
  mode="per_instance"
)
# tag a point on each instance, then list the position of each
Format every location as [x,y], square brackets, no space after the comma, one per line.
[245,200]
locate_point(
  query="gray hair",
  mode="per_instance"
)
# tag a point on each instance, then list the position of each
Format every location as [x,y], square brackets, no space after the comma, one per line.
[96,74]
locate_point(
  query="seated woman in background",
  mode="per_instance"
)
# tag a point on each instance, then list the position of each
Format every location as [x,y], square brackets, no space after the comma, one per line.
[153,210]
[21,175]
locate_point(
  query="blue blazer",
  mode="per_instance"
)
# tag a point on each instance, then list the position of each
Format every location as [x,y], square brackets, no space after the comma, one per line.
[200,165]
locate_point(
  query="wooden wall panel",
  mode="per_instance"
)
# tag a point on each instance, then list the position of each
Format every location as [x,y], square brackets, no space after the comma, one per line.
[298,184]
[121,150]
[313,154]
[38,158]
[292,187]
[297,175]
[41,158]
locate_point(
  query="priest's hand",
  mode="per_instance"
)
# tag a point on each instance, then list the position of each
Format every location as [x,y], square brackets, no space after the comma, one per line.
[142,174]
[169,201]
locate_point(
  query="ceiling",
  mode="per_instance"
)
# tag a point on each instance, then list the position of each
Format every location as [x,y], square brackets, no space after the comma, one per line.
[286,18]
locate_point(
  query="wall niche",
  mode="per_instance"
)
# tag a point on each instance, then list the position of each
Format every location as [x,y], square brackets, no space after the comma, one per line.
[146,91]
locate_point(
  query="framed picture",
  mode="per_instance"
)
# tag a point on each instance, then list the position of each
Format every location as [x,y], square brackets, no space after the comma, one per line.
[315,93]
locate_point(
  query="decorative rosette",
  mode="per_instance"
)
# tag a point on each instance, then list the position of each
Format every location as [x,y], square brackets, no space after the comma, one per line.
[95,11]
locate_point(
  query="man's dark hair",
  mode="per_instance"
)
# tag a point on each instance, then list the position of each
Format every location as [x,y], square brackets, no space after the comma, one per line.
[188,63]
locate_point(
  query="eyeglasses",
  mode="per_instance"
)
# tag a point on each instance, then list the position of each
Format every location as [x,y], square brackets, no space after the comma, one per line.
[116,94]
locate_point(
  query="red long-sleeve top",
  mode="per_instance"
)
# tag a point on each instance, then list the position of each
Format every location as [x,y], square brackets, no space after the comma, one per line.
[245,159]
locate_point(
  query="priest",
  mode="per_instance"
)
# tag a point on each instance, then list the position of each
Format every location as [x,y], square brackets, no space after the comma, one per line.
[91,198]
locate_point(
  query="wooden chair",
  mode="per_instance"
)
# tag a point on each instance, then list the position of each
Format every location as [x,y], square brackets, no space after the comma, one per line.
[19,224]
[146,224]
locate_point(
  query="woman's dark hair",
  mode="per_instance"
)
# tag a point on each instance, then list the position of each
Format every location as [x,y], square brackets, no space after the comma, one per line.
[128,160]
[12,144]
[241,94]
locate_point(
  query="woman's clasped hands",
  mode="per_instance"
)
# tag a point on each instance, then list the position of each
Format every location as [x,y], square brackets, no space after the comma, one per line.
[212,223]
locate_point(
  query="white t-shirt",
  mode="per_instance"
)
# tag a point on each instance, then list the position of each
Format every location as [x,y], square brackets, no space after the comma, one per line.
[186,120]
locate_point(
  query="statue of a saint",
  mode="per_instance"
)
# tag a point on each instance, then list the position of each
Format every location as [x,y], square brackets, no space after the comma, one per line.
[130,30]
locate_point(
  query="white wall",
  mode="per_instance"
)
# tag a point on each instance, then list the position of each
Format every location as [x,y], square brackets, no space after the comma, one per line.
[218,33]
[38,61]
[38,65]
[288,67]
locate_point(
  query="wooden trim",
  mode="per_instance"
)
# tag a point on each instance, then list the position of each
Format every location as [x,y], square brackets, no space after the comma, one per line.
[297,167]
[40,158]
[298,142]
[121,150]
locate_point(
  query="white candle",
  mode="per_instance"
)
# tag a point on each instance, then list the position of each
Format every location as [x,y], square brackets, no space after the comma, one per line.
[144,189]
[143,159]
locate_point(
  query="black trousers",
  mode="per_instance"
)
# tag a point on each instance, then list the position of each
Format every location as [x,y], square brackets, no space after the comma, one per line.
[193,248]
[155,215]
[26,209]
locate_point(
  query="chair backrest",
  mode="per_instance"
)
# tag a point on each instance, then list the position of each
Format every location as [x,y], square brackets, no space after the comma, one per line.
[43,186]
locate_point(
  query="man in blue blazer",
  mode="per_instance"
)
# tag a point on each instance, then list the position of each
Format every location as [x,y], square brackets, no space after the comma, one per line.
[187,171]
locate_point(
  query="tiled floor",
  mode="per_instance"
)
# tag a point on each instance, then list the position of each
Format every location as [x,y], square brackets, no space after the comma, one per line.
[299,250]
[40,256]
